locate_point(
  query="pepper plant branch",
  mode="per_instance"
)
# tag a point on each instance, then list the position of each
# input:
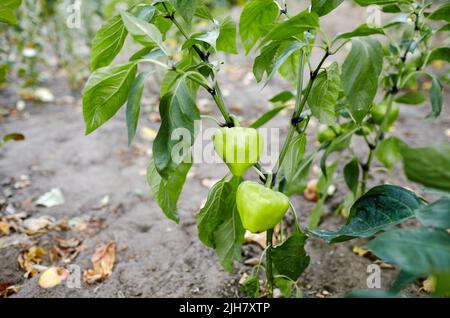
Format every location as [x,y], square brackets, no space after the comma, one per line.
[178,71]
[215,91]
[300,104]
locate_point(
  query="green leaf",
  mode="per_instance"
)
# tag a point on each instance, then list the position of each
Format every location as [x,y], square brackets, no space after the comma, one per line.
[297,181]
[380,208]
[360,73]
[7,8]
[293,158]
[255,21]
[282,97]
[427,166]
[281,58]
[366,3]
[362,30]
[7,15]
[295,25]
[108,42]
[134,105]
[284,285]
[442,284]
[105,92]
[265,60]
[209,38]
[316,213]
[436,214]
[388,152]
[351,176]
[221,197]
[229,236]
[267,116]
[371,293]
[178,114]
[167,191]
[290,258]
[402,281]
[186,8]
[411,98]
[441,13]
[323,7]
[141,31]
[440,53]
[204,12]
[226,42]
[251,287]
[421,251]
[435,97]
[324,95]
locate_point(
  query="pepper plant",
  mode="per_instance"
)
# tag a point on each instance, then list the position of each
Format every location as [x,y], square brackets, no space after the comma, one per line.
[342,97]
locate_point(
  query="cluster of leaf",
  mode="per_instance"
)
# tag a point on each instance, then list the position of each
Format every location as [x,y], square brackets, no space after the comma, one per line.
[338,96]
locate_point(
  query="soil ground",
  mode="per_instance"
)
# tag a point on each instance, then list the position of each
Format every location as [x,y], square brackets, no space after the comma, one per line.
[156,257]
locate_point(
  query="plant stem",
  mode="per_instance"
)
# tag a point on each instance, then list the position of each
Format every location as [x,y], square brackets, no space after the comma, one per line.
[269,272]
[373,147]
[300,104]
[215,91]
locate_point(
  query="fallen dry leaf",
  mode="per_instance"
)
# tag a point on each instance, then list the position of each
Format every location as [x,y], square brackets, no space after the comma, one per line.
[7,290]
[52,277]
[34,226]
[429,285]
[103,262]
[29,258]
[252,238]
[50,199]
[252,261]
[360,251]
[4,228]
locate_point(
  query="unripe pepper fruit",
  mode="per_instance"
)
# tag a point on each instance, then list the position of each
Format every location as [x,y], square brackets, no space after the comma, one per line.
[259,207]
[379,111]
[239,147]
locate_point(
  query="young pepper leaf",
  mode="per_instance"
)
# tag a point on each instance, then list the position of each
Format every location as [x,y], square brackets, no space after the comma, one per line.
[108,42]
[167,191]
[290,258]
[218,222]
[324,95]
[186,8]
[381,207]
[255,21]
[141,31]
[178,115]
[105,92]
[267,116]
[134,105]
[417,251]
[362,30]
[351,175]
[226,42]
[295,25]
[388,152]
[436,214]
[323,7]
[360,73]
[427,166]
